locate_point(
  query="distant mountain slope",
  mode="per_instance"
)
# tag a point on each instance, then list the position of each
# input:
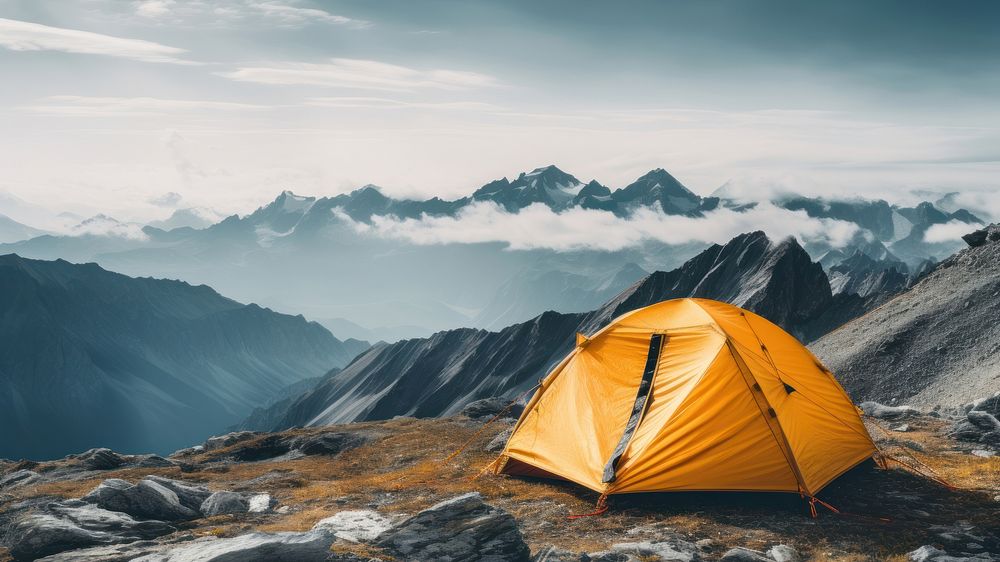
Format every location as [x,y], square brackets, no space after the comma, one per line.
[936,343]
[13,231]
[439,375]
[94,358]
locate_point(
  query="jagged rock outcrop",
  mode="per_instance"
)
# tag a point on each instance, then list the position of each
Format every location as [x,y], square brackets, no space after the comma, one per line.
[442,374]
[866,277]
[932,344]
[95,357]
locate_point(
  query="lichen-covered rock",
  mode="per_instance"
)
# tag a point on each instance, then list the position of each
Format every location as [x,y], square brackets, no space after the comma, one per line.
[260,503]
[462,528]
[355,526]
[667,551]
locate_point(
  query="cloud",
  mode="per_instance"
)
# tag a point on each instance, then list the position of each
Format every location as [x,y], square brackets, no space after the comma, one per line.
[361,74]
[295,16]
[951,231]
[153,8]
[102,225]
[280,14]
[537,227]
[89,106]
[385,103]
[27,36]
[168,199]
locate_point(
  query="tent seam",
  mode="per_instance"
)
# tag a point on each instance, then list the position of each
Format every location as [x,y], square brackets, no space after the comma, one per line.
[786,450]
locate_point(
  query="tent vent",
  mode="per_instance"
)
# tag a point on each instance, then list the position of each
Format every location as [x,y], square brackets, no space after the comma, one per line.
[772,412]
[789,388]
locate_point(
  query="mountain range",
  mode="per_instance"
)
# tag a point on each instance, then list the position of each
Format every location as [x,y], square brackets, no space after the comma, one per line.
[319,257]
[441,374]
[94,358]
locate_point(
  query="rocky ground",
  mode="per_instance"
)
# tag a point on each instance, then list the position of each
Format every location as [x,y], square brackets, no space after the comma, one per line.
[385,491]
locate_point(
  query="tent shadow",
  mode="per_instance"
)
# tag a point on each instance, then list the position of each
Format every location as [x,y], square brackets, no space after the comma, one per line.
[867,497]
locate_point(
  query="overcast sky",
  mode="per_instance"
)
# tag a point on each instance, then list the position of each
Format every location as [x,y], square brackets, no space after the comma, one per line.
[108,105]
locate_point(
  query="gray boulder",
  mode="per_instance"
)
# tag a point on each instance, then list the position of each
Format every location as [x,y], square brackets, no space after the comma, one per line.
[984,421]
[989,405]
[100,459]
[145,500]
[740,554]
[330,443]
[225,503]
[490,407]
[976,238]
[69,525]
[462,528]
[312,546]
[881,411]
[784,553]
[190,496]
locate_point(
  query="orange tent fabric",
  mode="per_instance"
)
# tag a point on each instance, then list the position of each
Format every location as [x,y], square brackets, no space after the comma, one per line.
[689,394]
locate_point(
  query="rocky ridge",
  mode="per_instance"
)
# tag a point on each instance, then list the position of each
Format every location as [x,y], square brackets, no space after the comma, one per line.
[931,344]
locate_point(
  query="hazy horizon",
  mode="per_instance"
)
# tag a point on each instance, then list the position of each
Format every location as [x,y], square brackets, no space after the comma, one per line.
[136,108]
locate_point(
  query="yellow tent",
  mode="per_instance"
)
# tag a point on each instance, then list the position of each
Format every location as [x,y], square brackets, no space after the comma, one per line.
[685,395]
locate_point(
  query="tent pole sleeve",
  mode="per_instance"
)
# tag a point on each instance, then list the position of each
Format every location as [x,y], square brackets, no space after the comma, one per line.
[769,415]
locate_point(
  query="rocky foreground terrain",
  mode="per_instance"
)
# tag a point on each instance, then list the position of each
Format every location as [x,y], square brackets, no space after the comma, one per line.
[388,491]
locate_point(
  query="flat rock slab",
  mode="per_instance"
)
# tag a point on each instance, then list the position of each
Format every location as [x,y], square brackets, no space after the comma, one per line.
[312,546]
[355,526]
[462,528]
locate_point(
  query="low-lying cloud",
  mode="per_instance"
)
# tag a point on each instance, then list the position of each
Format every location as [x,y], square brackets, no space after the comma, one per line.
[948,232]
[539,227]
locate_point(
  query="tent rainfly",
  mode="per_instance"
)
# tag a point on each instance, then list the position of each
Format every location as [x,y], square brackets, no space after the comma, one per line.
[689,395]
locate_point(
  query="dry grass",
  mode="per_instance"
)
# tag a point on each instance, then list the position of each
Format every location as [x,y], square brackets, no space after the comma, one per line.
[404,471]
